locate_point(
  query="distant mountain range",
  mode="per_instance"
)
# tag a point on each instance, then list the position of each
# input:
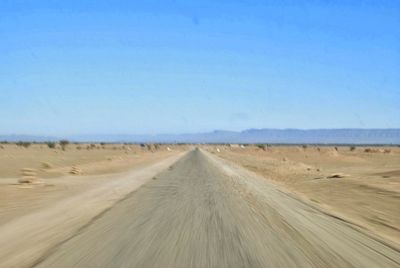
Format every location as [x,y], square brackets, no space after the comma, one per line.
[281,136]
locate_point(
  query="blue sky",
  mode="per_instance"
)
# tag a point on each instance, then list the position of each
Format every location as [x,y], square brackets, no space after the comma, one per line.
[127,67]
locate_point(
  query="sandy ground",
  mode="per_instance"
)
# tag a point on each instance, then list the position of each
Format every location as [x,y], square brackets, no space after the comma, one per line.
[98,166]
[204,212]
[368,195]
[24,239]
[234,207]
[90,158]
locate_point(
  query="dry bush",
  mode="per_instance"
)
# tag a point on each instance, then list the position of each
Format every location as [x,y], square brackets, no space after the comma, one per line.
[352,148]
[51,145]
[24,144]
[63,144]
[262,146]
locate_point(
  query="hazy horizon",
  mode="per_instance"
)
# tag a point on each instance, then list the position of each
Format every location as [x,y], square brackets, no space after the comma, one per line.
[189,133]
[79,67]
[250,136]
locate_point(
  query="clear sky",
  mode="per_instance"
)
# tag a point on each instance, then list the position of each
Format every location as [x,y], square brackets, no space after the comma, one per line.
[130,67]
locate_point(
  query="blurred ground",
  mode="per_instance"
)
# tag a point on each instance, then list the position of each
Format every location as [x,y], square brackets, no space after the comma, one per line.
[204,212]
[367,191]
[98,165]
[280,217]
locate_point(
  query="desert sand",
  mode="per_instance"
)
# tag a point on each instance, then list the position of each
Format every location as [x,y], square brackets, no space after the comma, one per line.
[217,206]
[96,165]
[360,184]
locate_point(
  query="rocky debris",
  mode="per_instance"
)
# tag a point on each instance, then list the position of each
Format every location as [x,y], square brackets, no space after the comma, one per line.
[46,165]
[75,170]
[336,176]
[29,176]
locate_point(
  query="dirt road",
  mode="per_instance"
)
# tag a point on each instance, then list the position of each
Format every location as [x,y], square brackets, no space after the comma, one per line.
[203,212]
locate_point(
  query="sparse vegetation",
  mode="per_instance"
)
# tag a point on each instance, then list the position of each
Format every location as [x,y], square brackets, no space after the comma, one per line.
[262,146]
[370,150]
[91,146]
[63,144]
[352,148]
[24,144]
[51,145]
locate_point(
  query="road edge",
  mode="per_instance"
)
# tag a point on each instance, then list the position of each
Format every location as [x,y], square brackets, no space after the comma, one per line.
[25,241]
[348,221]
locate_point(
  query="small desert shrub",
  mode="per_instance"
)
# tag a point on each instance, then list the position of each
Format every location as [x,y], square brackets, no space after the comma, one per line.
[78,147]
[63,144]
[304,146]
[51,145]
[352,148]
[262,146]
[25,144]
[369,150]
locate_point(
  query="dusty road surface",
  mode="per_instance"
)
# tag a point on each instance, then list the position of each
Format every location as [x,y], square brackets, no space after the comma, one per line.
[204,212]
